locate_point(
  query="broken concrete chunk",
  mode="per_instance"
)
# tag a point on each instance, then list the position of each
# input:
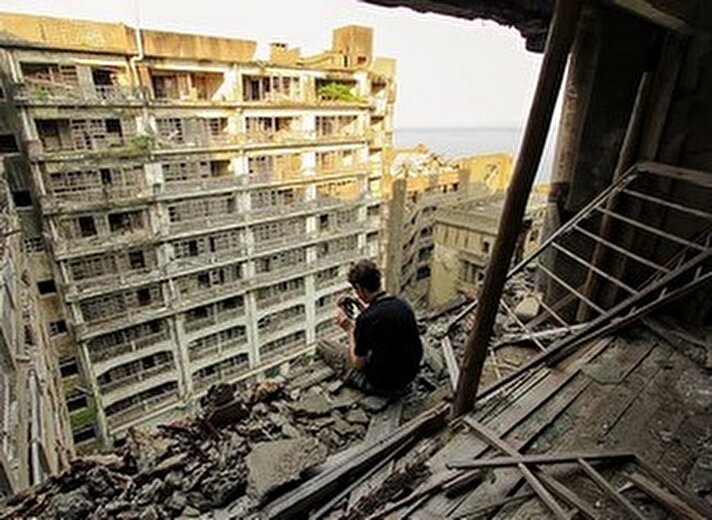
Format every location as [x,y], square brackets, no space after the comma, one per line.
[177,502]
[273,464]
[313,405]
[527,309]
[373,403]
[357,416]
[346,398]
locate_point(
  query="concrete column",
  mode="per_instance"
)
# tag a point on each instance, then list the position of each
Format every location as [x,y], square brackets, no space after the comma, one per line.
[394,230]
[182,359]
[252,335]
[310,310]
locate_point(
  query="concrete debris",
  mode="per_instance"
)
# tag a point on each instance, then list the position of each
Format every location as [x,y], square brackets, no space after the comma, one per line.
[274,464]
[527,309]
[357,416]
[373,403]
[312,405]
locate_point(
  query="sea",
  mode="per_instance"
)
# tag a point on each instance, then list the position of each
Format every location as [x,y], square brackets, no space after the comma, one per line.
[457,142]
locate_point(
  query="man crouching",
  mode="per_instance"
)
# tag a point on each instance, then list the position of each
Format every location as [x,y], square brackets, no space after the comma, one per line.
[384,345]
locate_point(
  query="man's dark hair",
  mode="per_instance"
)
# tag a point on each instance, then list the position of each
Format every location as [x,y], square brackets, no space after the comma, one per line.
[365,274]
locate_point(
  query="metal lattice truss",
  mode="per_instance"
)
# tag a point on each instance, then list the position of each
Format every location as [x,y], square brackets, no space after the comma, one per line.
[641,243]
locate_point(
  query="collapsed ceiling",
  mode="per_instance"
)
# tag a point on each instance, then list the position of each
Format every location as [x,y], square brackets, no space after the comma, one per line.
[529,17]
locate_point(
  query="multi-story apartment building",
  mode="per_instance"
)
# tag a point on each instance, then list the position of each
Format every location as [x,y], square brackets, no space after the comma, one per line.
[464,233]
[416,183]
[35,436]
[199,208]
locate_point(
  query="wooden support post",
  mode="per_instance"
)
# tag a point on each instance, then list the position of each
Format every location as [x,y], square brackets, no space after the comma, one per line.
[561,34]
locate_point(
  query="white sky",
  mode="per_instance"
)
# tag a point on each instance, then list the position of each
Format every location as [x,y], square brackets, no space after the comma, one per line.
[450,72]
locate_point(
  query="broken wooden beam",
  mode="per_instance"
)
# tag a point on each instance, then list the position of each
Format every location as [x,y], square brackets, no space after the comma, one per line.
[541,458]
[666,499]
[453,368]
[560,38]
[319,488]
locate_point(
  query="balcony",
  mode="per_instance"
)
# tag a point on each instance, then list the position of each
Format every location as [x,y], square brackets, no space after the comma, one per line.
[282,351]
[339,257]
[284,137]
[214,319]
[286,296]
[188,263]
[223,375]
[209,293]
[141,409]
[128,317]
[38,92]
[284,242]
[205,223]
[280,328]
[86,288]
[134,379]
[201,185]
[211,351]
[198,140]
[93,198]
[138,345]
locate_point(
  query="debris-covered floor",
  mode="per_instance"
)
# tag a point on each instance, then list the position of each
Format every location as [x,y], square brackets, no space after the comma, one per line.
[633,394]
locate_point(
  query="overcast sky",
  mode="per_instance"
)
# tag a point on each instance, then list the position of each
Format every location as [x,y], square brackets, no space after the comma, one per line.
[450,73]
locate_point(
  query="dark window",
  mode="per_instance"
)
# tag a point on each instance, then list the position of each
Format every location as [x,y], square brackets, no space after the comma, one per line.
[423,272]
[57,327]
[8,144]
[144,296]
[105,177]
[46,287]
[87,228]
[85,434]
[113,126]
[193,248]
[136,260]
[69,367]
[204,280]
[76,402]
[22,198]
[485,247]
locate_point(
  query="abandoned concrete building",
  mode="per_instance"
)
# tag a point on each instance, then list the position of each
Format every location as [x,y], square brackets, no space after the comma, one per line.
[415,184]
[34,424]
[596,406]
[463,235]
[191,209]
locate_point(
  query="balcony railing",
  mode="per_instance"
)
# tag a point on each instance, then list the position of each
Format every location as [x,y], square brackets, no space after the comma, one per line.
[143,375]
[279,298]
[202,184]
[94,196]
[285,349]
[214,319]
[198,140]
[178,265]
[224,374]
[284,242]
[205,223]
[205,351]
[124,348]
[141,408]
[279,326]
[202,294]
[47,92]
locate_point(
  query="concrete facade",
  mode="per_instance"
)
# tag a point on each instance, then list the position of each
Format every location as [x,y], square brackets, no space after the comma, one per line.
[417,182]
[196,209]
[34,423]
[463,236]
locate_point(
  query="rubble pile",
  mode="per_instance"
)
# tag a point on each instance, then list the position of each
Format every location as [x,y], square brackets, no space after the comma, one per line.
[247,443]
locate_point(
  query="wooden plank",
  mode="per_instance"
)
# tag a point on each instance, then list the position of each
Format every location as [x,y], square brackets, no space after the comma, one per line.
[453,368]
[539,458]
[531,479]
[609,490]
[698,503]
[381,425]
[567,495]
[547,401]
[314,491]
[672,503]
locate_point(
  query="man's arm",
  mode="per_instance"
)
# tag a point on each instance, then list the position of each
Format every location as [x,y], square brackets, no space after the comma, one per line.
[348,326]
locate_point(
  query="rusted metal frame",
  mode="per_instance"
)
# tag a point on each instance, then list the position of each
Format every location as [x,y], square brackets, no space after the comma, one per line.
[622,250]
[608,489]
[541,459]
[595,269]
[519,322]
[655,231]
[562,30]
[662,202]
[598,327]
[531,479]
[568,287]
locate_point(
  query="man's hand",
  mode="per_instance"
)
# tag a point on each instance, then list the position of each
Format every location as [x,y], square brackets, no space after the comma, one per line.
[343,321]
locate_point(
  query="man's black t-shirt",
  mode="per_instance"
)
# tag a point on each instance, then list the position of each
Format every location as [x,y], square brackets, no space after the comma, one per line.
[386,335]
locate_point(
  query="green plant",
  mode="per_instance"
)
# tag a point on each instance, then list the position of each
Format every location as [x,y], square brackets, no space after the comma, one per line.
[142,143]
[42,95]
[338,92]
[81,418]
